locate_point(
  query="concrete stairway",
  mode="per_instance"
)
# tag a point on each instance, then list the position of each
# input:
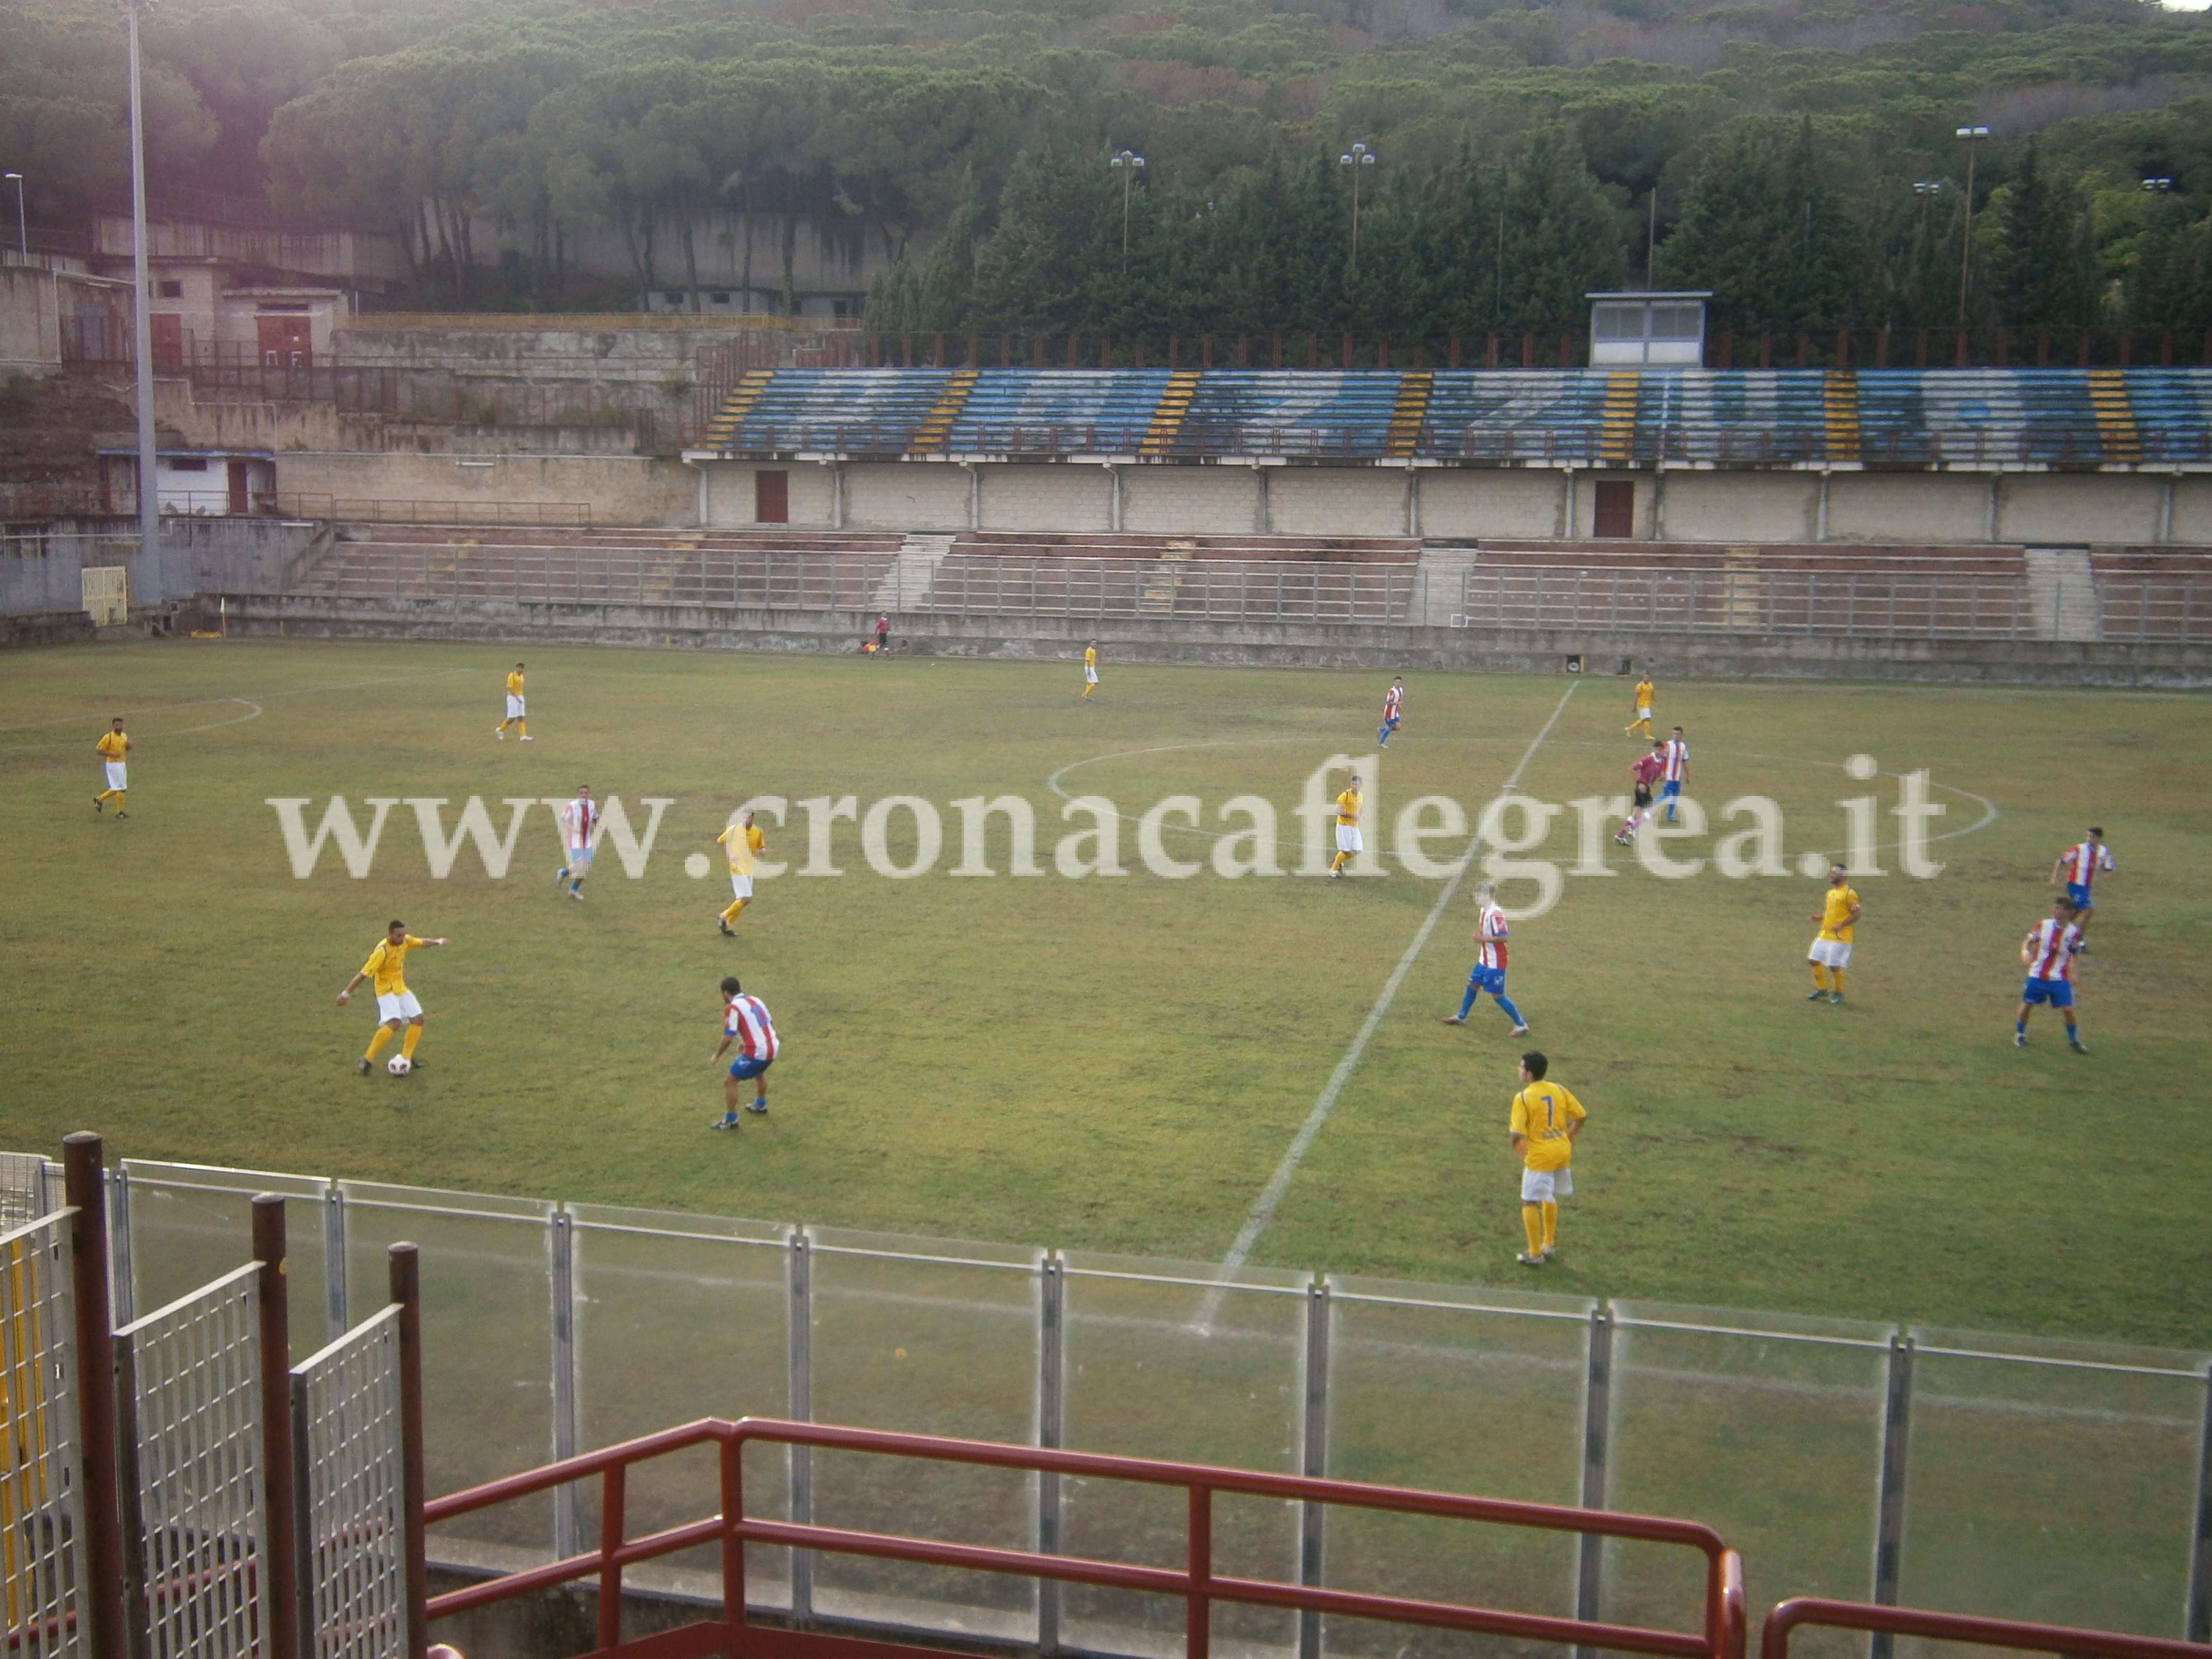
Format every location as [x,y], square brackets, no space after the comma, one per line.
[1437,596]
[2061,594]
[905,585]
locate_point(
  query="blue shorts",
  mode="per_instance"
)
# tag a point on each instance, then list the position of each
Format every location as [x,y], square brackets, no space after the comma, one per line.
[2079,892]
[1670,789]
[2059,992]
[1491,980]
[1391,723]
[750,1068]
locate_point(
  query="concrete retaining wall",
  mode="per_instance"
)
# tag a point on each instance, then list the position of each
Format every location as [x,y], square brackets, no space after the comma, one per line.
[1718,656]
[40,573]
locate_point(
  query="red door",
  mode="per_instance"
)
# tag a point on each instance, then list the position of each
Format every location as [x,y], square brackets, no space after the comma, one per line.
[771,498]
[286,341]
[240,503]
[1616,507]
[168,330]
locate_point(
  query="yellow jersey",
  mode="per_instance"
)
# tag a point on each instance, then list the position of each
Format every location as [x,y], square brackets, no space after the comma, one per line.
[1541,1113]
[387,965]
[514,685]
[1091,656]
[739,843]
[1836,913]
[1643,696]
[1347,807]
[114,745]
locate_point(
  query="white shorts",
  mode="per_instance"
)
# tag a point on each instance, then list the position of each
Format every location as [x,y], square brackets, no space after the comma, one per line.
[1545,1186]
[1090,676]
[741,886]
[116,771]
[400,1006]
[1347,838]
[1831,953]
[579,861]
[515,708]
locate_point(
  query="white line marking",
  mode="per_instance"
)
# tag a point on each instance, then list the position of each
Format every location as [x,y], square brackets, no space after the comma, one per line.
[1279,1184]
[253,712]
[204,702]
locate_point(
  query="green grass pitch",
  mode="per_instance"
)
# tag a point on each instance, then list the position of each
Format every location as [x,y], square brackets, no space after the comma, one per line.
[1119,1063]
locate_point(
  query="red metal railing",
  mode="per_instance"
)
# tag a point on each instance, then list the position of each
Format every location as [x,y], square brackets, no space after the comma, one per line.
[1196,1584]
[1774,1640]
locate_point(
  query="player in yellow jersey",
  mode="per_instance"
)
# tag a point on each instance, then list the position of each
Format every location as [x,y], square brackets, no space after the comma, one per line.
[1644,693]
[395,1004]
[1547,1118]
[114,748]
[1347,828]
[1832,946]
[741,843]
[514,709]
[1090,668]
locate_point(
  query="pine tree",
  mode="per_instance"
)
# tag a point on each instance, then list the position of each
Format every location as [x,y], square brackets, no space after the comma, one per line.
[2044,276]
[1764,227]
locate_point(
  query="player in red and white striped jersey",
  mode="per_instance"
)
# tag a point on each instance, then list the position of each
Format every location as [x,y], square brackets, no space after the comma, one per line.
[1393,703]
[2077,867]
[745,1024]
[579,823]
[1677,755]
[2048,953]
[1489,971]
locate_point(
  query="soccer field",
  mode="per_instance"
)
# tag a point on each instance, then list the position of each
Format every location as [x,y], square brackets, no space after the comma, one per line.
[1121,1062]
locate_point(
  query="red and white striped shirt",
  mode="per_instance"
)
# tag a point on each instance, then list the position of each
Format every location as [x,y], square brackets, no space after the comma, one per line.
[2051,949]
[2083,860]
[1678,758]
[1493,931]
[1390,700]
[746,1019]
[579,818]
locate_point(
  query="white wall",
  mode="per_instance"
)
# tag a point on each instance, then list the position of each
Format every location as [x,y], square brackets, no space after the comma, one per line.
[1190,500]
[2081,507]
[1746,507]
[906,495]
[1336,500]
[1048,497]
[1918,509]
[1490,502]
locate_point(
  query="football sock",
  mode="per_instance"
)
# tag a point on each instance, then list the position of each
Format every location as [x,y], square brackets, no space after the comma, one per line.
[1511,1013]
[1838,974]
[1532,1221]
[120,795]
[407,1043]
[574,884]
[1466,1002]
[2020,1026]
[522,728]
[731,915]
[1819,977]
[1337,863]
[376,1043]
[1551,1224]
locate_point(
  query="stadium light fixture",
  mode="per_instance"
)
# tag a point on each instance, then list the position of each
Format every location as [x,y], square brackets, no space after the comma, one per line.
[22,235]
[1128,162]
[1972,135]
[2158,184]
[1358,159]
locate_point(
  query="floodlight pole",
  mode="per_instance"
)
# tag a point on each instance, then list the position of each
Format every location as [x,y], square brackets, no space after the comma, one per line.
[1126,164]
[22,235]
[150,496]
[1358,159]
[1972,135]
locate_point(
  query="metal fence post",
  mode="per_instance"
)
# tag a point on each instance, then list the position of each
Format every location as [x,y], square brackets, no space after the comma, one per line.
[2198,1627]
[95,1346]
[1313,1463]
[334,1264]
[405,1269]
[801,1407]
[1052,1433]
[281,1576]
[122,1286]
[1889,1534]
[1597,1420]
[562,1240]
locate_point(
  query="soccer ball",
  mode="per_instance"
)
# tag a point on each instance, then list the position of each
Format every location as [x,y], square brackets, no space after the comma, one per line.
[399,1066]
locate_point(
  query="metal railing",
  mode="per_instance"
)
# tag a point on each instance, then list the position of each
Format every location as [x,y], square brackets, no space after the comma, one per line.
[363,509]
[1861,606]
[42,1535]
[554,1329]
[1198,1584]
[346,1426]
[194,1485]
[1885,1624]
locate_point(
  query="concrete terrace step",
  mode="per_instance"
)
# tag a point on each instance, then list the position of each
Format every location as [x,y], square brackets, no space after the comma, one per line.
[906,586]
[2061,594]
